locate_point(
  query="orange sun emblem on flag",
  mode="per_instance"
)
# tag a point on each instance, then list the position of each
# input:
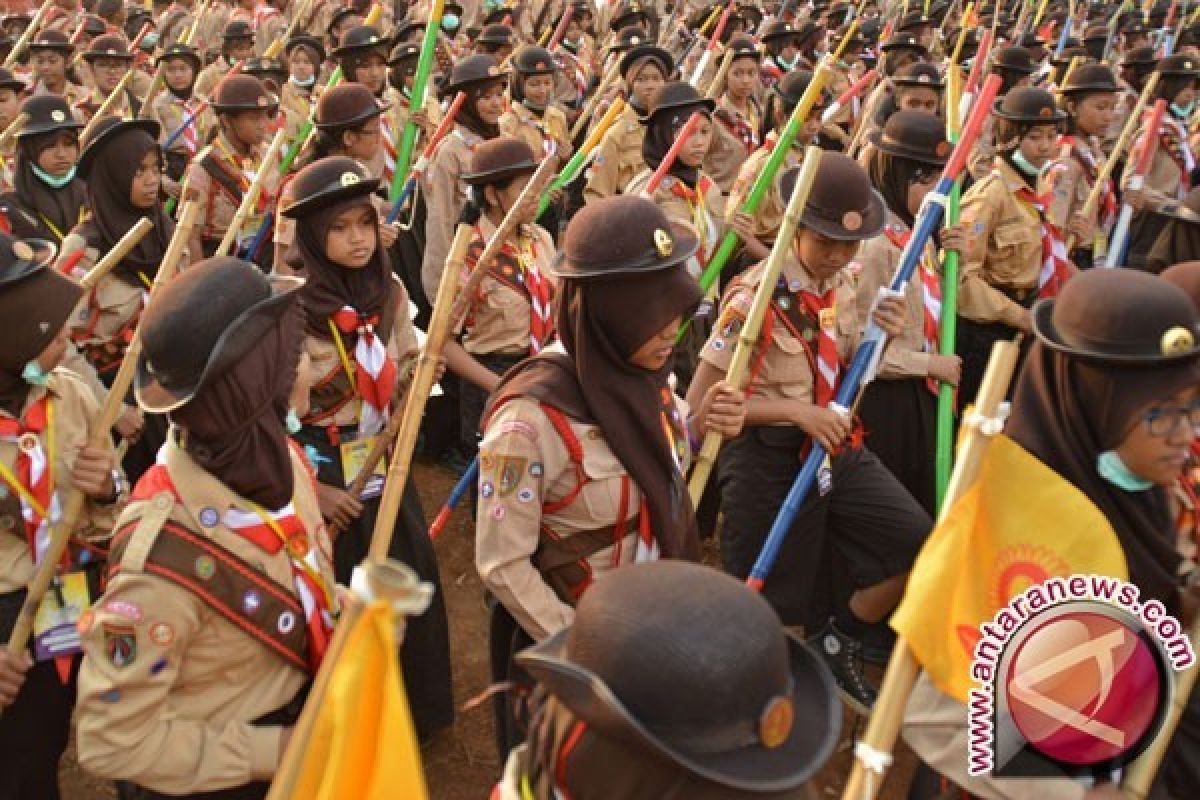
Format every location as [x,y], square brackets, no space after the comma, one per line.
[1020,566]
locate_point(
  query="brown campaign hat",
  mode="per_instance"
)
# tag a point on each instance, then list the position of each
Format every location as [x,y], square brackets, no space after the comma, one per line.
[915,135]
[1029,104]
[51,40]
[1120,317]
[345,105]
[241,92]
[1185,275]
[904,41]
[10,81]
[327,182]
[110,46]
[264,68]
[1014,59]
[47,113]
[644,669]
[472,72]
[842,204]
[628,37]
[744,46]
[1182,66]
[498,160]
[1091,78]
[361,39]
[496,34]
[180,51]
[237,29]
[312,43]
[622,235]
[201,323]
[920,74]
[534,60]
[677,99]
[647,51]
[105,130]
[629,14]
[35,299]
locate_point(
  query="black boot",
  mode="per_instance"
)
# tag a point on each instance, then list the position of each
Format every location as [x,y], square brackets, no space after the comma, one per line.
[843,655]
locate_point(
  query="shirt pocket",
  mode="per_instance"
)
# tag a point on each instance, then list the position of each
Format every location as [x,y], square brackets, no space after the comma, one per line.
[1015,247]
[786,362]
[601,497]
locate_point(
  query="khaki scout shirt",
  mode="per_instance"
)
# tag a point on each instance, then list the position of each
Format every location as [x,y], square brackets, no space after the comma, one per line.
[210,76]
[499,318]
[905,356]
[728,152]
[769,216]
[782,368]
[114,303]
[1165,178]
[543,134]
[169,111]
[175,718]
[218,207]
[445,196]
[523,464]
[706,218]
[1004,248]
[979,162]
[618,158]
[1067,181]
[297,107]
[327,368]
[74,407]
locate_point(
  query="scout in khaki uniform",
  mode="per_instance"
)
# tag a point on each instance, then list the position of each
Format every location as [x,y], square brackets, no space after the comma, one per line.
[897,52]
[1014,254]
[1170,175]
[219,603]
[108,58]
[1015,66]
[359,343]
[47,197]
[363,57]
[122,165]
[758,231]
[49,54]
[478,120]
[738,115]
[176,21]
[11,89]
[304,56]
[626,669]
[533,117]
[571,489]
[46,415]
[644,68]
[915,87]
[173,106]
[223,171]
[237,44]
[1090,100]
[782,55]
[899,408]
[511,315]
[810,331]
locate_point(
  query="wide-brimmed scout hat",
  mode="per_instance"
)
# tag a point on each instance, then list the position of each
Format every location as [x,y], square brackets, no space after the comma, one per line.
[327,182]
[622,235]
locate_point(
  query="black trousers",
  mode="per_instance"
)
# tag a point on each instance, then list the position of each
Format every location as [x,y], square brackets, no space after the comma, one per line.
[900,417]
[472,399]
[867,519]
[510,709]
[975,340]
[425,656]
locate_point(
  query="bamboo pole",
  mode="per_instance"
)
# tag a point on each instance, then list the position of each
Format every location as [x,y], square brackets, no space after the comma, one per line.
[29,33]
[106,105]
[100,436]
[276,46]
[13,129]
[1141,773]
[250,198]
[888,714]
[714,88]
[613,72]
[113,257]
[737,374]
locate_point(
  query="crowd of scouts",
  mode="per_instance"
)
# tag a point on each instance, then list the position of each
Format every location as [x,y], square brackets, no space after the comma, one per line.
[203,580]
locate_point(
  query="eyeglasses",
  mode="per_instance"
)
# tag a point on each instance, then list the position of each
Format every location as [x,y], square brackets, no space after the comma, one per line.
[1164,420]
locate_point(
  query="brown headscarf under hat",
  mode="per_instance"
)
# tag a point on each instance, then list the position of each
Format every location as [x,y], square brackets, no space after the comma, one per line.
[596,382]
[234,427]
[328,288]
[1067,412]
[112,214]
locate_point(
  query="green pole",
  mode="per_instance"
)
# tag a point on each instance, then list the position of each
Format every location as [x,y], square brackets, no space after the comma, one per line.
[944,461]
[408,139]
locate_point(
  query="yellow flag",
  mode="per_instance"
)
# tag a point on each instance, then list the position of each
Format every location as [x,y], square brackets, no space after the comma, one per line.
[362,743]
[1018,525]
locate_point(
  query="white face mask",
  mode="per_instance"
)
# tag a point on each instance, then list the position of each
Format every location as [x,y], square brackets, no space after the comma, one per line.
[34,375]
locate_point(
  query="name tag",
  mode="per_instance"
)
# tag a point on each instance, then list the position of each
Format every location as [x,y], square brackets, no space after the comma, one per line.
[354,455]
[827,318]
[54,628]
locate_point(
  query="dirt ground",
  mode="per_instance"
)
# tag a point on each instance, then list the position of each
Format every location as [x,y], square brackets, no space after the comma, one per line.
[461,763]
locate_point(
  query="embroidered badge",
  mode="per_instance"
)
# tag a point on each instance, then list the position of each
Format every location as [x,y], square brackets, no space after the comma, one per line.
[298,546]
[827,317]
[511,470]
[718,344]
[158,666]
[120,644]
[251,601]
[209,517]
[499,513]
[205,568]
[535,469]
[486,490]
[525,495]
[162,634]
[111,696]
[519,427]
[286,622]
[125,609]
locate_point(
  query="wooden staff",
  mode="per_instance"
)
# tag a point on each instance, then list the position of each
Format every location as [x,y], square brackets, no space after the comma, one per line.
[194,28]
[590,108]
[106,105]
[250,198]
[113,257]
[672,154]
[99,437]
[1122,144]
[277,46]
[29,33]
[888,714]
[13,129]
[737,374]
[714,88]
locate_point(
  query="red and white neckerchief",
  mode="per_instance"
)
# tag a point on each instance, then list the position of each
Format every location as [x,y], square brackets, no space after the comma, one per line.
[191,142]
[706,227]
[931,297]
[389,152]
[745,128]
[1174,136]
[32,478]
[821,308]
[1087,159]
[262,13]
[273,531]
[541,318]
[375,374]
[1056,266]
[573,67]
[549,143]
[245,169]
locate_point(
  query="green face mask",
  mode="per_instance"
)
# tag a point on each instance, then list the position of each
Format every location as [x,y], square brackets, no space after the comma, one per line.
[34,375]
[292,422]
[1025,165]
[53,181]
[1113,469]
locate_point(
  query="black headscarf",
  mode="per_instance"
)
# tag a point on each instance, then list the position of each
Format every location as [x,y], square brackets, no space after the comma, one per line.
[1067,412]
[596,382]
[60,206]
[234,427]
[111,214]
[892,176]
[329,287]
[661,132]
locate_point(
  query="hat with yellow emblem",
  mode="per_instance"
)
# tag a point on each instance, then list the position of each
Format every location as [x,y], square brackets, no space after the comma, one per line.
[326,182]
